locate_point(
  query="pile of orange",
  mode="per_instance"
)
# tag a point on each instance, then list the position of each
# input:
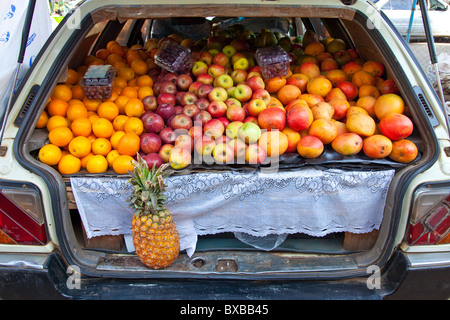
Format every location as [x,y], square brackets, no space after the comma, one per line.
[98,134]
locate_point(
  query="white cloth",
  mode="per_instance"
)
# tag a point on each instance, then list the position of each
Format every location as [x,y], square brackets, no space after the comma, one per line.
[12,17]
[311,201]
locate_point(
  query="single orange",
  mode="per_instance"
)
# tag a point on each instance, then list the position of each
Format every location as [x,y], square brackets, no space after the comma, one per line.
[129,144]
[288,93]
[80,146]
[91,104]
[134,125]
[117,49]
[42,121]
[314,48]
[102,54]
[81,127]
[114,57]
[274,84]
[62,91]
[119,82]
[121,101]
[145,81]
[60,136]
[115,138]
[144,91]
[139,67]
[85,159]
[69,164]
[111,156]
[57,107]
[76,111]
[50,154]
[130,92]
[119,122]
[108,110]
[101,146]
[57,121]
[97,164]
[93,117]
[134,107]
[126,73]
[72,77]
[102,128]
[122,164]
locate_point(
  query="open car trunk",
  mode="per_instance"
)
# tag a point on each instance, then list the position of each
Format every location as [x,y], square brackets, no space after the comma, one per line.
[240,221]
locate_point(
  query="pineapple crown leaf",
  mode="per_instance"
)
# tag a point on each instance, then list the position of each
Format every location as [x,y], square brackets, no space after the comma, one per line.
[148,186]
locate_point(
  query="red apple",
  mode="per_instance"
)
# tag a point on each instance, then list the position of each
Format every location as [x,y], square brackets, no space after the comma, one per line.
[170,76]
[256,82]
[220,59]
[239,148]
[255,154]
[167,135]
[150,142]
[181,121]
[349,89]
[238,76]
[183,82]
[299,117]
[153,159]
[190,110]
[217,108]
[153,123]
[202,117]
[225,121]
[203,90]
[203,103]
[272,119]
[150,103]
[185,141]
[168,87]
[223,153]
[180,157]
[165,97]
[178,109]
[235,113]
[165,110]
[205,56]
[215,70]
[196,131]
[262,94]
[194,86]
[188,98]
[214,128]
[164,152]
[205,78]
[251,119]
[205,145]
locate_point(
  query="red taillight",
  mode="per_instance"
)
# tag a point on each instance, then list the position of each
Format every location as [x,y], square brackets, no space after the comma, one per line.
[21,217]
[430,220]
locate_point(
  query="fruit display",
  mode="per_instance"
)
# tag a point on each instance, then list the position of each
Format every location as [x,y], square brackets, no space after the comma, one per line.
[210,102]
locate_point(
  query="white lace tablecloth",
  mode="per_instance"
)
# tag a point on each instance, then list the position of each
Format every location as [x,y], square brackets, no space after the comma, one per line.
[311,201]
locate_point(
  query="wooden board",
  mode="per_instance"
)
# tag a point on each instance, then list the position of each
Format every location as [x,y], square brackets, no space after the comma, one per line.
[360,242]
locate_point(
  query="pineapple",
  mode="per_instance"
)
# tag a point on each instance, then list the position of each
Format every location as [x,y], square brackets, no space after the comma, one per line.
[155,236]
